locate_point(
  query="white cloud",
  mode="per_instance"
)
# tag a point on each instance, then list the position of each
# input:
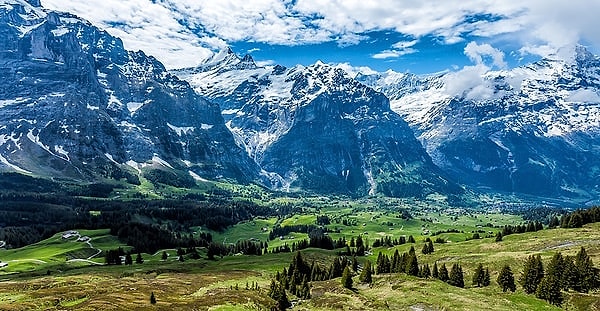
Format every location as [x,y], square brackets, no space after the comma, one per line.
[143,25]
[263,63]
[392,53]
[398,49]
[403,45]
[353,70]
[182,31]
[477,52]
[469,83]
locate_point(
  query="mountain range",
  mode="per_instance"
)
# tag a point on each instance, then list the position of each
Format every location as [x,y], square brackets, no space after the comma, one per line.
[317,128]
[76,105]
[533,129]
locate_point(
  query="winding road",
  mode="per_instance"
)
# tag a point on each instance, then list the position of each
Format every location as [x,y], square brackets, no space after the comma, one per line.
[89,243]
[76,236]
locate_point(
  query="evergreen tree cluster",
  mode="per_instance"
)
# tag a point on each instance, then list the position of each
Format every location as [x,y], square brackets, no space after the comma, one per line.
[245,247]
[119,256]
[389,242]
[356,247]
[533,273]
[579,218]
[113,256]
[481,277]
[323,220]
[562,273]
[297,277]
[456,276]
[405,263]
[25,223]
[150,238]
[531,226]
[428,247]
[506,280]
[279,231]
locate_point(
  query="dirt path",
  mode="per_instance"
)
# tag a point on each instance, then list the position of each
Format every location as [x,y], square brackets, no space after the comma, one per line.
[31,260]
[85,260]
[2,244]
[77,235]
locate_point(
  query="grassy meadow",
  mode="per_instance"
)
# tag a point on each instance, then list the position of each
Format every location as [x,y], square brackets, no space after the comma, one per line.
[64,274]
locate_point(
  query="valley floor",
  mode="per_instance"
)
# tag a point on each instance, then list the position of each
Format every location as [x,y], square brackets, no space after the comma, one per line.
[230,283]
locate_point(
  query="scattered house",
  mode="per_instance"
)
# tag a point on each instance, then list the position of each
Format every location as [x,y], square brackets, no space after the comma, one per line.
[69,234]
[83,239]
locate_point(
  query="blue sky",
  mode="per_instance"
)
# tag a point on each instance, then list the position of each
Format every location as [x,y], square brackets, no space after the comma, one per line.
[403,35]
[427,55]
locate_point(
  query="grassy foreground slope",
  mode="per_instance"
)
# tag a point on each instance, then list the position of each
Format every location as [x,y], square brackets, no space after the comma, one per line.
[211,285]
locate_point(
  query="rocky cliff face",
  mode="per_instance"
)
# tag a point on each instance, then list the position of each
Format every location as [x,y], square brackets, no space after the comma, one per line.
[316,128]
[534,129]
[74,103]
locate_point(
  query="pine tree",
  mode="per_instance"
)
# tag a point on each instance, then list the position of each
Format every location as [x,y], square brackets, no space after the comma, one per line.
[553,222]
[412,265]
[277,292]
[128,260]
[383,264]
[152,298]
[506,279]
[305,291]
[435,272]
[587,275]
[396,262]
[425,249]
[426,272]
[411,239]
[456,277]
[478,276]
[570,274]
[443,273]
[499,237]
[139,259]
[164,255]
[532,275]
[486,277]
[551,285]
[347,278]
[365,275]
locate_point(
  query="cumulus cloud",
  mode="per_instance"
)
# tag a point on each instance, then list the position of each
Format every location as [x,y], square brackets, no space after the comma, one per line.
[469,83]
[182,31]
[354,70]
[477,53]
[398,49]
[144,25]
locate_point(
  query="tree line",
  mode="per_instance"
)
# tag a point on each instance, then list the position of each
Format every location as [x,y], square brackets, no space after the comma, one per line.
[28,218]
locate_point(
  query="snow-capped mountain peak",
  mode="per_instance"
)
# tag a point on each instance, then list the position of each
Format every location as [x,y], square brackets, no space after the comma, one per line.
[316,127]
[75,104]
[529,129]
